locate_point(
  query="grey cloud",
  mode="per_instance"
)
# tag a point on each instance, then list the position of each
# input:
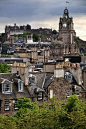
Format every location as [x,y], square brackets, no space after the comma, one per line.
[27,11]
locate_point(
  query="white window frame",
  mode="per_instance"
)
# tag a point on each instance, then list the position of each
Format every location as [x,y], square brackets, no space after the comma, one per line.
[6,106]
[31,81]
[51,93]
[20,86]
[4,87]
[15,107]
[40,96]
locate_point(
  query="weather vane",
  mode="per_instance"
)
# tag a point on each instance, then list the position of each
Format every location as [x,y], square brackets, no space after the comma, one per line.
[66,2]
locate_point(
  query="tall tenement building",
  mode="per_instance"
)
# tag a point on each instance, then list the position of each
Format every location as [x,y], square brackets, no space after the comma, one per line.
[66,28]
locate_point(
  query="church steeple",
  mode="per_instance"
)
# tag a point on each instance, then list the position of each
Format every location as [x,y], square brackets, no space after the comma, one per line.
[66,13]
[66,29]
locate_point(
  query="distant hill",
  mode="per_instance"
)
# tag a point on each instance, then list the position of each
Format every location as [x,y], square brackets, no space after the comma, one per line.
[81,44]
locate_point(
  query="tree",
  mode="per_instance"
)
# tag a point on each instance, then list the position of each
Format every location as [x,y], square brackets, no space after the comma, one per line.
[54,32]
[35,37]
[24,35]
[25,103]
[43,36]
[51,115]
[4,68]
[15,35]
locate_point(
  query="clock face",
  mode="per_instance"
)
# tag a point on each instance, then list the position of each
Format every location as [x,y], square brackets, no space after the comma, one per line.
[64,25]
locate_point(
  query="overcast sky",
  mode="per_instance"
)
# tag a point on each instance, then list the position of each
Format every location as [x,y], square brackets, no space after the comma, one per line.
[43,13]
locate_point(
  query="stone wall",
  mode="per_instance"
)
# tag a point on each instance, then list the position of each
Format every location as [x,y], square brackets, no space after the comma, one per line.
[59,73]
[84,79]
[49,67]
[59,87]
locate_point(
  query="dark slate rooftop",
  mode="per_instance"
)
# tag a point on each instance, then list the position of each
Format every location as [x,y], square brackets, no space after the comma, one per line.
[15,94]
[48,80]
[43,80]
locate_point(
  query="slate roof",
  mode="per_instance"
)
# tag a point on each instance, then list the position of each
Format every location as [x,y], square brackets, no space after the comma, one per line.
[38,85]
[43,80]
[48,80]
[15,94]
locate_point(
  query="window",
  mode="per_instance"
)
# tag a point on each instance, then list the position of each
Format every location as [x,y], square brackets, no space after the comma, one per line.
[7,105]
[39,53]
[77,92]
[32,80]
[68,92]
[40,96]
[69,78]
[7,88]
[51,94]
[21,86]
[15,107]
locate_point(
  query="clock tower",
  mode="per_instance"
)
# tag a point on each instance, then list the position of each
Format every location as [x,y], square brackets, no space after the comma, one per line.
[66,28]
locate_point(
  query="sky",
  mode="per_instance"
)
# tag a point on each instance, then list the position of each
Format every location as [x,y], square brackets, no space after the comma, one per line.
[43,13]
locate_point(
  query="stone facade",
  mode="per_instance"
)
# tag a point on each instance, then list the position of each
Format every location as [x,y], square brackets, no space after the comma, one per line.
[67,34]
[66,28]
[38,55]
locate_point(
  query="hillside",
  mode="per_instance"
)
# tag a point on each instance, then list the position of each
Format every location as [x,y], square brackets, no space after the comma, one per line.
[81,44]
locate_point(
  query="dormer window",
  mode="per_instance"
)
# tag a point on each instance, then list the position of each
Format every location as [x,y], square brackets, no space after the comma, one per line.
[20,86]
[7,88]
[69,77]
[32,79]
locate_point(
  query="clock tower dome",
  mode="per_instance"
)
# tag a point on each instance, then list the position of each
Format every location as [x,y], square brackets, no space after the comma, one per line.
[66,28]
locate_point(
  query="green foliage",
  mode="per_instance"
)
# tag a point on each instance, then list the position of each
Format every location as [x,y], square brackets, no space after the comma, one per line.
[77,40]
[73,103]
[24,35]
[28,32]
[1,36]
[35,37]
[43,36]
[4,68]
[84,54]
[15,35]
[54,32]
[25,103]
[80,54]
[51,115]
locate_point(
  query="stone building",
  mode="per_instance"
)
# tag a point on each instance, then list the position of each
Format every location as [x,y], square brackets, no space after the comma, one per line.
[66,28]
[67,34]
[11,30]
[41,86]
[34,55]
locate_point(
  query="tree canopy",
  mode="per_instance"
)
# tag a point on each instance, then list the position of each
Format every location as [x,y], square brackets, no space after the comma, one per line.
[35,37]
[4,68]
[24,35]
[15,35]
[51,115]
[54,32]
